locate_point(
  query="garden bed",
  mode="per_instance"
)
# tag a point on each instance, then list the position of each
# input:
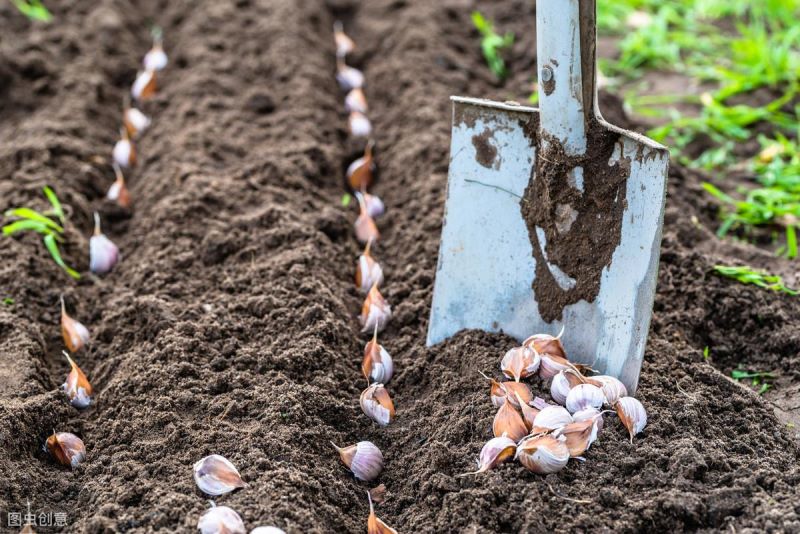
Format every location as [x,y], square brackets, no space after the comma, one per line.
[230,324]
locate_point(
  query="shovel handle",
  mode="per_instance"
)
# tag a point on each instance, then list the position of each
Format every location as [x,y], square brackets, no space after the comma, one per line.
[566,39]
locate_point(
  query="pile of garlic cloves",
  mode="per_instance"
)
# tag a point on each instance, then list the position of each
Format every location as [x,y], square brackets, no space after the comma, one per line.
[542,436]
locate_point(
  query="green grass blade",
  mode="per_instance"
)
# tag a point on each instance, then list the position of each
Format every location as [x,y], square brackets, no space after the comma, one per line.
[52,247]
[27,213]
[33,9]
[25,225]
[791,242]
[58,210]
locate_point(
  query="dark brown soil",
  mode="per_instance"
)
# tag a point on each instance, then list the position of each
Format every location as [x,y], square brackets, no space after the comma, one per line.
[230,325]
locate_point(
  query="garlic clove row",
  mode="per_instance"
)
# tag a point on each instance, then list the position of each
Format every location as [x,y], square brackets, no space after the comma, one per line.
[508,422]
[375,312]
[377,404]
[632,414]
[520,362]
[103,253]
[377,364]
[584,396]
[364,459]
[543,454]
[494,452]
[77,386]
[221,520]
[216,475]
[74,333]
[374,524]
[68,449]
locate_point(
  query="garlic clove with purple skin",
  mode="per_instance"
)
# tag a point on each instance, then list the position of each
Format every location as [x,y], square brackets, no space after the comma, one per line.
[368,271]
[361,172]
[359,124]
[220,520]
[508,422]
[543,454]
[493,453]
[364,459]
[374,205]
[584,396]
[103,253]
[632,414]
[559,388]
[349,78]
[547,344]
[67,448]
[551,418]
[216,475]
[124,152]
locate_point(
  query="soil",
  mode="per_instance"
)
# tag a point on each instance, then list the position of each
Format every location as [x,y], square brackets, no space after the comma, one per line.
[230,326]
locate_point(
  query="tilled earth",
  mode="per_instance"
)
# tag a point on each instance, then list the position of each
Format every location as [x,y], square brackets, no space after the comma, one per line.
[230,326]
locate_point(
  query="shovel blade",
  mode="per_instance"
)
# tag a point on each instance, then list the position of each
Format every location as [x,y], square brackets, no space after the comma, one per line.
[486,268]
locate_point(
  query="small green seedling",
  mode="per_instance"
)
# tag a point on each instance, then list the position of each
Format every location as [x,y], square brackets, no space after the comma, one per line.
[748,275]
[33,9]
[758,379]
[46,224]
[492,44]
[8,301]
[347,198]
[706,353]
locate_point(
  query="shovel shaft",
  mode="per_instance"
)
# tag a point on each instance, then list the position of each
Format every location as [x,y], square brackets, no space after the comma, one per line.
[565,56]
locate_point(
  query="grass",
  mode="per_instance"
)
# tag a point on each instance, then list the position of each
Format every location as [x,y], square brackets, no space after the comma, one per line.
[46,224]
[748,275]
[758,379]
[33,9]
[492,44]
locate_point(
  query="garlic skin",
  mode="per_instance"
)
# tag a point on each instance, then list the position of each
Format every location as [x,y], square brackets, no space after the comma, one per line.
[359,124]
[364,459]
[77,386]
[493,453]
[103,253]
[508,422]
[360,173]
[74,333]
[578,436]
[559,388]
[356,101]
[124,153]
[368,271]
[68,449]
[118,192]
[344,44]
[267,530]
[376,312]
[520,362]
[135,121]
[374,205]
[155,59]
[377,364]
[377,404]
[543,454]
[216,475]
[348,77]
[551,418]
[528,412]
[584,396]
[632,414]
[144,86]
[221,520]
[612,388]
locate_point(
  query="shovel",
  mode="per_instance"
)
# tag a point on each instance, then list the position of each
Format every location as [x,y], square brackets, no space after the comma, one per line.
[553,216]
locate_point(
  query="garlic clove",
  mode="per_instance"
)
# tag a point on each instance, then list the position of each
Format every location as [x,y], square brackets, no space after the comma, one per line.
[155,59]
[215,475]
[632,414]
[499,391]
[360,173]
[520,362]
[356,101]
[375,312]
[539,403]
[528,412]
[375,525]
[364,459]
[344,44]
[377,404]
[551,365]
[374,205]
[584,396]
[494,452]
[77,386]
[377,364]
[508,422]
[559,387]
[590,413]
[66,448]
[144,86]
[103,253]
[74,333]
[359,124]
[135,121]
[365,227]
[551,418]
[124,153]
[613,389]
[267,530]
[368,271]
[546,344]
[118,192]
[349,78]
[221,520]
[579,436]
[543,454]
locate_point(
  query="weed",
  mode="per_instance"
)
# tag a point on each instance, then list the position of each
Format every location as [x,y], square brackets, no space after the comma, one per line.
[748,275]
[492,44]
[758,379]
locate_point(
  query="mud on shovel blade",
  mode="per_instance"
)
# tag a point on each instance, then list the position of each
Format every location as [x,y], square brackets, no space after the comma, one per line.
[553,216]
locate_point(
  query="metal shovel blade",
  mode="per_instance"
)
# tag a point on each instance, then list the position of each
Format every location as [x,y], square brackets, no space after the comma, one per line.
[553,216]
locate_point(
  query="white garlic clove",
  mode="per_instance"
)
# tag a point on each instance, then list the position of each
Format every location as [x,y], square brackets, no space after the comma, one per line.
[551,365]
[551,418]
[546,344]
[377,364]
[349,78]
[590,413]
[493,453]
[74,333]
[360,173]
[520,362]
[155,59]
[584,396]
[124,153]
[377,404]
[267,530]
[375,312]
[215,475]
[559,388]
[118,192]
[344,44]
[632,414]
[368,271]
[613,388]
[364,459]
[359,124]
[77,386]
[499,391]
[543,454]
[144,86]
[374,205]
[103,253]
[68,449]
[508,422]
[539,403]
[221,520]
[366,230]
[135,121]
[356,101]
[578,436]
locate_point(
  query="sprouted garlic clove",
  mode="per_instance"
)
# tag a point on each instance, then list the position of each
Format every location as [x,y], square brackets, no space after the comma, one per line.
[368,271]
[66,448]
[75,335]
[375,525]
[135,121]
[493,453]
[363,459]
[77,386]
[377,364]
[124,152]
[520,362]
[365,227]
[356,101]
[377,404]
[360,173]
[543,454]
[221,520]
[118,192]
[216,475]
[349,78]
[144,86]
[632,414]
[584,396]
[103,253]
[375,312]
[508,422]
